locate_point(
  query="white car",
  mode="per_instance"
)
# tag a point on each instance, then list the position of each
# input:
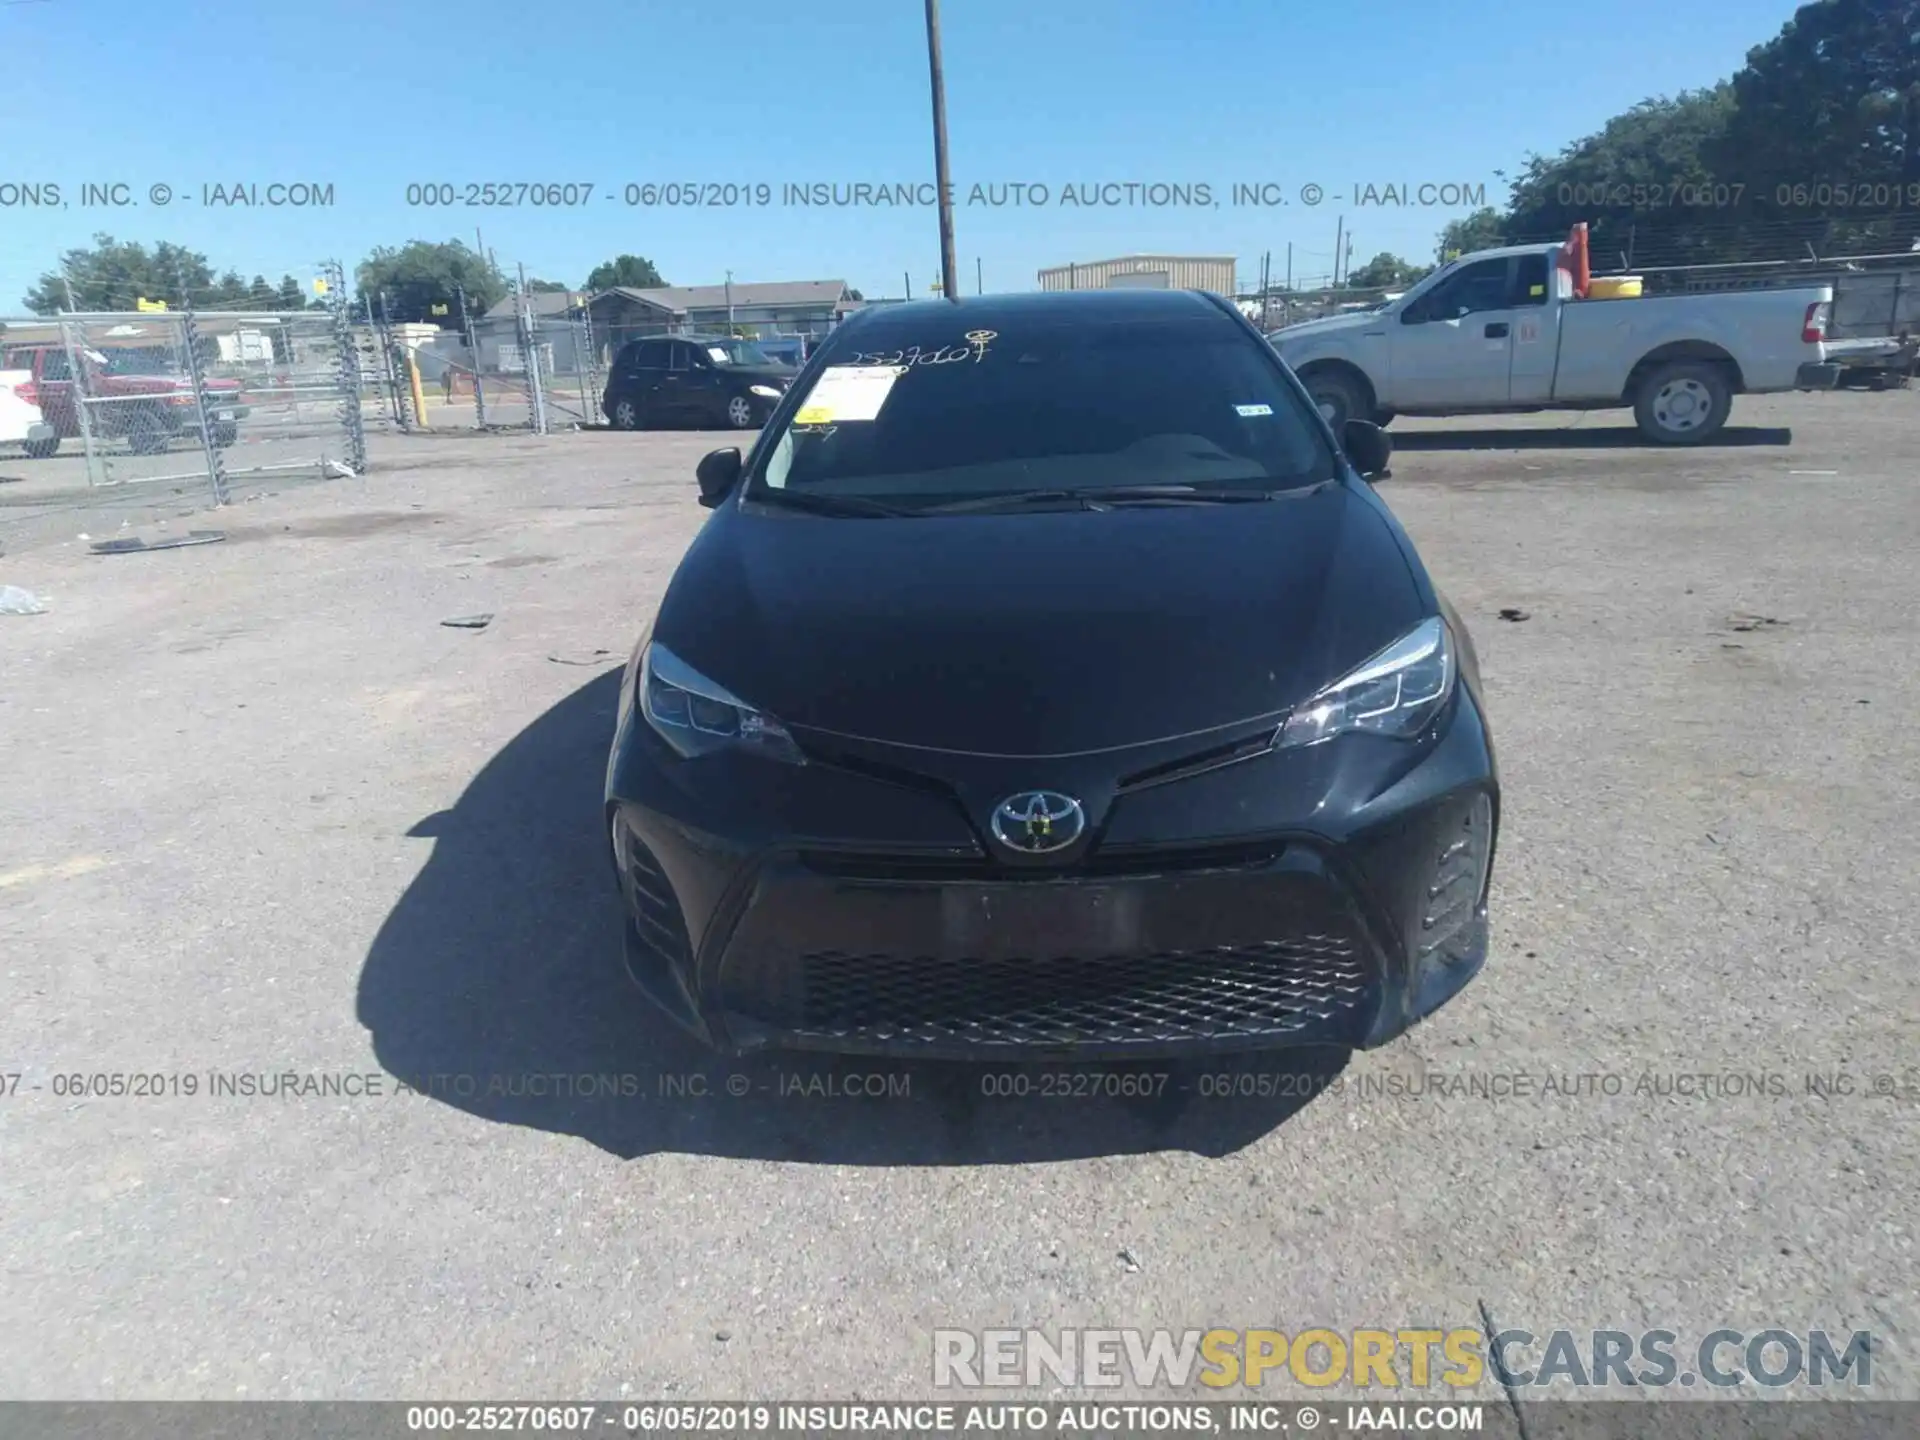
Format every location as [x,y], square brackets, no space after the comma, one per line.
[21,422]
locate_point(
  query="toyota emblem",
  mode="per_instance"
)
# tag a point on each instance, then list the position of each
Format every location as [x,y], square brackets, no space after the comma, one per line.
[1038,822]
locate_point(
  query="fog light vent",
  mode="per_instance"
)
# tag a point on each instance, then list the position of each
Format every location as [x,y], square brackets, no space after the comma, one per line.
[1459,879]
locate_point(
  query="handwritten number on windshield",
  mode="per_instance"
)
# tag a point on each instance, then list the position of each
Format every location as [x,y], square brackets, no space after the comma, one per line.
[975,350]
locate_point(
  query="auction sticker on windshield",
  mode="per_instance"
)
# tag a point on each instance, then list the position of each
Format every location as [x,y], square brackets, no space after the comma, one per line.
[848,392]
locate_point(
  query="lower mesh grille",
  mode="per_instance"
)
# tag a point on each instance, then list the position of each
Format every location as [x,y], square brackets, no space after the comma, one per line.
[1307,986]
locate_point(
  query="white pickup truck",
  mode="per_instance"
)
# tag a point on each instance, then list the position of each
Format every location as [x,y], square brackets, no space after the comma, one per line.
[1500,330]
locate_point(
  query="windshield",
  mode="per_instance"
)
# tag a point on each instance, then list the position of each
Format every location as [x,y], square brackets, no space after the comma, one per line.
[154,361]
[736,352]
[1063,406]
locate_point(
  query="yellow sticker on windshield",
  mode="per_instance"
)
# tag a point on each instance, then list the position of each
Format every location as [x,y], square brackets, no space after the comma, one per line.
[1536,290]
[848,392]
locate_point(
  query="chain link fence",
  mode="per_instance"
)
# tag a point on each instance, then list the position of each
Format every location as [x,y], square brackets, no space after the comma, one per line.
[137,398]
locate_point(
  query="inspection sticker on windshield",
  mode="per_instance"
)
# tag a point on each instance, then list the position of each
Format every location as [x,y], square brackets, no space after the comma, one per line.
[848,392]
[1253,409]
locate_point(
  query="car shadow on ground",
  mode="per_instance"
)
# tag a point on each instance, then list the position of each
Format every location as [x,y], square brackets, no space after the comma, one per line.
[495,986]
[1579,437]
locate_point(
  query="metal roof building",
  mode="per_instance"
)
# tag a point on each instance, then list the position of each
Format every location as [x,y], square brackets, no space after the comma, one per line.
[1154,272]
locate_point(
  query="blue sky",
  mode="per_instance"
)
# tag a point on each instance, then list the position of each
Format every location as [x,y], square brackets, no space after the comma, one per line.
[371,97]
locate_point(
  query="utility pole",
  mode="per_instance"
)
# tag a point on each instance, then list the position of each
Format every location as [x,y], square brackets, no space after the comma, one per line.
[729,302]
[1339,235]
[979,285]
[907,275]
[949,286]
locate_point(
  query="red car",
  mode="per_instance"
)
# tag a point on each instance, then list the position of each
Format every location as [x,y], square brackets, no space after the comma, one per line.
[147,410]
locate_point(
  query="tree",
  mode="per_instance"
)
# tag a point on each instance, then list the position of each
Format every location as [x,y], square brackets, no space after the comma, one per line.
[1482,230]
[632,271]
[112,274]
[1831,102]
[421,274]
[545,287]
[1642,183]
[1385,272]
[856,297]
[291,296]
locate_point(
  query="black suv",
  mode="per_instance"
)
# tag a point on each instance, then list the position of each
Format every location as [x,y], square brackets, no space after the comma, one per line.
[694,380]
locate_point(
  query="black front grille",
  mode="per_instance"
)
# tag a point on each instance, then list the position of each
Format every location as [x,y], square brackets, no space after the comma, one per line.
[1311,986]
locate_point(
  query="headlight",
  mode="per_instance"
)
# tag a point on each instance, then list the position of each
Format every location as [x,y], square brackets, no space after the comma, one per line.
[1394,694]
[767,390]
[697,717]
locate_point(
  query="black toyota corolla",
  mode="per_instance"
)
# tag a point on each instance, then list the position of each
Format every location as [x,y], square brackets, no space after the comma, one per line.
[1050,683]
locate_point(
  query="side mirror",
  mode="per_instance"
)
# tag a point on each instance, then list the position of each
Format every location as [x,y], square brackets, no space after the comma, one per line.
[1368,448]
[718,472]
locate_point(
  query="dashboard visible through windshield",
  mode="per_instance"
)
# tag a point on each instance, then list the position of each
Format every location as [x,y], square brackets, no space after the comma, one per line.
[946,418]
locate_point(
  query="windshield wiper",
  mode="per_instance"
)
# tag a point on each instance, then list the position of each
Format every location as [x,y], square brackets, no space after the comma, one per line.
[1181,494]
[1103,498]
[817,503]
[1012,500]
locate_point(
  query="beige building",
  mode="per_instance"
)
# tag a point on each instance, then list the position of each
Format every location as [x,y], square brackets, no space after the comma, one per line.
[1151,272]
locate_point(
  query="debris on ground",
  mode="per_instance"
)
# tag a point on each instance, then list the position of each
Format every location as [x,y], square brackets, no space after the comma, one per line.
[15,601]
[1512,613]
[1744,622]
[134,544]
[599,657]
[334,470]
[469,622]
[1128,1259]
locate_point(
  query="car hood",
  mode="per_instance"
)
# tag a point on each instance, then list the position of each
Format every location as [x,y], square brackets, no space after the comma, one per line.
[1040,633]
[1313,329]
[765,374]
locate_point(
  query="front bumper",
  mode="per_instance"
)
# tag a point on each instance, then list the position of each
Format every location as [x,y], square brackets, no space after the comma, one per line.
[1815,375]
[1163,940]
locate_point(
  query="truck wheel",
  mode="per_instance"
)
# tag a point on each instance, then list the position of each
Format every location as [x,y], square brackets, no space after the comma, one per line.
[1684,403]
[42,449]
[1337,397]
[146,433]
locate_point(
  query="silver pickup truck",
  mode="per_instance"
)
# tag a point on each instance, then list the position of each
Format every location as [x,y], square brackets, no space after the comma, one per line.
[1499,330]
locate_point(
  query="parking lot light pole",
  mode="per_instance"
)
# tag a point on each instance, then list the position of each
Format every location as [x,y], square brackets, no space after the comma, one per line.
[948,281]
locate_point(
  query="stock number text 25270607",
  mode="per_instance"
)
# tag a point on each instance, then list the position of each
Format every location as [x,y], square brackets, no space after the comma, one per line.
[501,194]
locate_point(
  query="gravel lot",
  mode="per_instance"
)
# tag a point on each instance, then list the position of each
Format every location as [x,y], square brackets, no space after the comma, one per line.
[262,813]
